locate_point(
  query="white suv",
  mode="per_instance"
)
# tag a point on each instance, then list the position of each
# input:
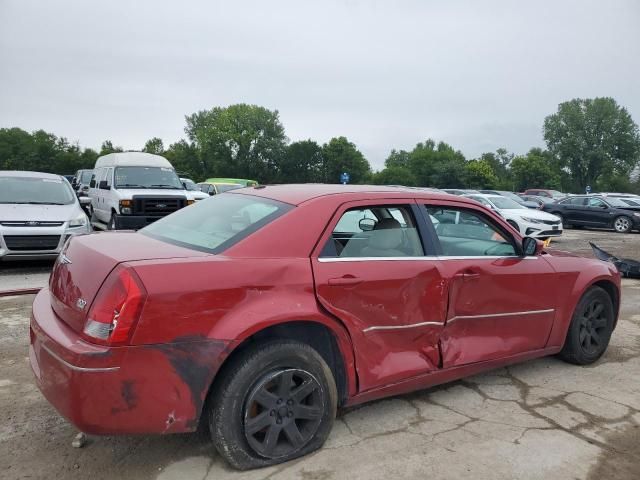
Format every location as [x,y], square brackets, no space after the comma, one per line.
[133,189]
[529,222]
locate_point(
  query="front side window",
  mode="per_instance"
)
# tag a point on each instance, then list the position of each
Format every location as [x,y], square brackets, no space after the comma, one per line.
[212,226]
[375,231]
[147,177]
[35,191]
[596,203]
[85,176]
[466,233]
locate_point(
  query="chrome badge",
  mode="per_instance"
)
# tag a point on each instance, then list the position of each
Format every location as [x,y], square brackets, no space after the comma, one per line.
[81,303]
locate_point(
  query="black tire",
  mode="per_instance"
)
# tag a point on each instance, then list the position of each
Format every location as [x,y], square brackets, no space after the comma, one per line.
[514,225]
[563,220]
[622,224]
[590,330]
[269,374]
[112,222]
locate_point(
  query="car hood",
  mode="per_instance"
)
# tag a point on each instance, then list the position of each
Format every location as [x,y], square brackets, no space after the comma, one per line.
[633,209]
[49,213]
[537,214]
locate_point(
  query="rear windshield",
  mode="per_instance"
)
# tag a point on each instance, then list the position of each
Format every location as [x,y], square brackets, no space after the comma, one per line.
[215,224]
[37,191]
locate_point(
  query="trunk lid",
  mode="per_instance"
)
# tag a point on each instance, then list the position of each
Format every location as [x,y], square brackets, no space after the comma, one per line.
[86,262]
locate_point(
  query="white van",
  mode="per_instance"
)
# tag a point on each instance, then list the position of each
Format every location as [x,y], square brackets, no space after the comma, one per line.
[130,190]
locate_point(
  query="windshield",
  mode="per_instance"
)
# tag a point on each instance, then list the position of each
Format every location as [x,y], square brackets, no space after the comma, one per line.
[556,194]
[190,185]
[504,203]
[631,202]
[617,202]
[217,223]
[85,176]
[147,177]
[33,190]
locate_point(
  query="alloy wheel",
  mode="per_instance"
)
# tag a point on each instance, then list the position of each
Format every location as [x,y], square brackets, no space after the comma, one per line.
[622,224]
[593,325]
[283,412]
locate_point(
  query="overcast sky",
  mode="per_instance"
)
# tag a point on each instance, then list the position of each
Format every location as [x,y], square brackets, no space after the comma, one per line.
[386,74]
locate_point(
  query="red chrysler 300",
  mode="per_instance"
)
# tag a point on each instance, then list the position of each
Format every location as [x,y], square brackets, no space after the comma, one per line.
[261,311]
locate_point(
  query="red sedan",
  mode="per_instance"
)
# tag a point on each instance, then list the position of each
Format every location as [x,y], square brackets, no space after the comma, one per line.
[261,311]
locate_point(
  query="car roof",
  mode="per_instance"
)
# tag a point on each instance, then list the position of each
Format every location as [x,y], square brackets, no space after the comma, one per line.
[132,159]
[21,173]
[296,194]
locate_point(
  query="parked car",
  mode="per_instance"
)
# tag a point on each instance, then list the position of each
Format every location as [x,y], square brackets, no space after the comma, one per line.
[236,181]
[261,311]
[512,196]
[459,191]
[219,187]
[191,187]
[133,189]
[38,213]
[533,223]
[596,211]
[554,194]
[81,181]
[538,200]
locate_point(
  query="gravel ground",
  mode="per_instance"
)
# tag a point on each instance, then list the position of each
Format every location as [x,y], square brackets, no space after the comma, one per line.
[539,420]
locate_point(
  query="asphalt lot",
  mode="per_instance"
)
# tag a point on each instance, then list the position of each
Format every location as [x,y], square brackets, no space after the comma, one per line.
[539,420]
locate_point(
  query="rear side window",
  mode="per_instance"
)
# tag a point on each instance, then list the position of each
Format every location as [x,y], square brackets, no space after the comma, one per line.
[215,224]
[465,233]
[375,231]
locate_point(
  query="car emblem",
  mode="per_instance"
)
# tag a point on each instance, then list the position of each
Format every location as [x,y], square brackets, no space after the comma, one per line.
[65,260]
[81,303]
[33,223]
[161,205]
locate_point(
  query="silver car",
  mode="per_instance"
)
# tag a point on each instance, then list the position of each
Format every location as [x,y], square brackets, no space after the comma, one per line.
[38,213]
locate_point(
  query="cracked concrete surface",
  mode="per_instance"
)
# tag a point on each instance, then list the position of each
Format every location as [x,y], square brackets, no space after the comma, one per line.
[538,420]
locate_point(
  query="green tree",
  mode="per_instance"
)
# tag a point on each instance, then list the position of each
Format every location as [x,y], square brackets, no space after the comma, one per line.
[238,141]
[591,138]
[302,162]
[184,158]
[536,169]
[340,155]
[154,145]
[500,162]
[438,165]
[395,175]
[479,175]
[107,148]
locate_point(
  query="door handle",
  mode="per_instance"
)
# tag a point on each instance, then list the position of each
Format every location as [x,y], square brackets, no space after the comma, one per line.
[347,279]
[468,275]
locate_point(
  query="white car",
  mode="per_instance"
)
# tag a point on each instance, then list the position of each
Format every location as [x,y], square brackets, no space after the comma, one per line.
[529,222]
[130,190]
[38,213]
[193,189]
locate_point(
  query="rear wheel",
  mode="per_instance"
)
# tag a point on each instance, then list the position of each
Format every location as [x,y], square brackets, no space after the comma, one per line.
[591,327]
[563,220]
[112,222]
[276,402]
[622,224]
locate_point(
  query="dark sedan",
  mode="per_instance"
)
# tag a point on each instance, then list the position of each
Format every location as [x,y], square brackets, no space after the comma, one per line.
[594,211]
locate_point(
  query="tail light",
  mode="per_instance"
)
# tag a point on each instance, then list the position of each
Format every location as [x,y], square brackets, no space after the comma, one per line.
[115,311]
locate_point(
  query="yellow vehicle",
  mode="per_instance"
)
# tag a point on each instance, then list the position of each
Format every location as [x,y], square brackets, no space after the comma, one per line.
[214,186]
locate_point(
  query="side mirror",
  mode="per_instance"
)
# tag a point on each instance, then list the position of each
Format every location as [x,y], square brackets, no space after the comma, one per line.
[531,247]
[92,183]
[366,224]
[103,185]
[604,207]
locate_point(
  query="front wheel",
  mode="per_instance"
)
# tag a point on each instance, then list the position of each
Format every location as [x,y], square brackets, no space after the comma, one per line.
[276,402]
[591,327]
[622,224]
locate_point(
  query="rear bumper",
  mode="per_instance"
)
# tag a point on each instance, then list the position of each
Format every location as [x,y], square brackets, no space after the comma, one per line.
[134,389]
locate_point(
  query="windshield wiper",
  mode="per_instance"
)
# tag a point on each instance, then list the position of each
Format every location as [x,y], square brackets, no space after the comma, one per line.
[130,185]
[34,203]
[168,187]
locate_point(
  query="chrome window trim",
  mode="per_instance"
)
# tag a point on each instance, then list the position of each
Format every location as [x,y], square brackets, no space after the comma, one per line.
[75,367]
[453,319]
[413,259]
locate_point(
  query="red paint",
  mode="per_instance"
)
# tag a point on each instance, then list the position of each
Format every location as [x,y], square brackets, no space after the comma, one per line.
[199,308]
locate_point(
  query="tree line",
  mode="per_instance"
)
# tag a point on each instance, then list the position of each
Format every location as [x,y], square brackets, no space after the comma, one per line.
[589,142]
